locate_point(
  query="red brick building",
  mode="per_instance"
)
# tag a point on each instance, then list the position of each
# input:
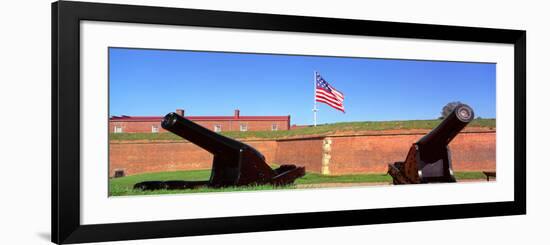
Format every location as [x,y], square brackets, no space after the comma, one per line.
[151,124]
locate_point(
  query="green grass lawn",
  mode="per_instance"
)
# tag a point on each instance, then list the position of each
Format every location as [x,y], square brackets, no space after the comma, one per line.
[123,186]
[319,130]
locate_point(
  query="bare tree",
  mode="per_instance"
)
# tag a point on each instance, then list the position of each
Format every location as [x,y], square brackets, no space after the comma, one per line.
[448,108]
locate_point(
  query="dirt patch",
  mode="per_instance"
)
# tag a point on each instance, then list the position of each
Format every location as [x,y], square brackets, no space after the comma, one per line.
[326,185]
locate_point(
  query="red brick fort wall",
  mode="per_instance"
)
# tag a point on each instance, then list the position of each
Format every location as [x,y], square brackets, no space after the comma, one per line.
[473,151]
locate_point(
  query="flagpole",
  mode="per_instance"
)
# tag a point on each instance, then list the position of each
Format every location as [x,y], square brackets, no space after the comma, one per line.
[314,100]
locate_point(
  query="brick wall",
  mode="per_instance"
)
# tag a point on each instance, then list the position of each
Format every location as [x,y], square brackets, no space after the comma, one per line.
[472,151]
[305,152]
[142,157]
[469,152]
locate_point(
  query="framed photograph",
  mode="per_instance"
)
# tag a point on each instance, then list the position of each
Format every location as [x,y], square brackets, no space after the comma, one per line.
[174,122]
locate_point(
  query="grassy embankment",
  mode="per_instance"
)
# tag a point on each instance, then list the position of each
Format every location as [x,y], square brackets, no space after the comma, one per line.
[325,129]
[123,186]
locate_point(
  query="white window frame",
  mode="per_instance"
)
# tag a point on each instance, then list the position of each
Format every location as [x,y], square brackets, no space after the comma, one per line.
[243,127]
[217,128]
[275,127]
[154,129]
[117,129]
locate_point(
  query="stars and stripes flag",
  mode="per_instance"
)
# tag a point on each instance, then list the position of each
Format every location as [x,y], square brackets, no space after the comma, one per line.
[328,94]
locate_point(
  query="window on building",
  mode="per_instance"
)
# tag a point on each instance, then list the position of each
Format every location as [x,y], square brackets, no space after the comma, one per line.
[244,127]
[154,129]
[217,128]
[118,129]
[274,127]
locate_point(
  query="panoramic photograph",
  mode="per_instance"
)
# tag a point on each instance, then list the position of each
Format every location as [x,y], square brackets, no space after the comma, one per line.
[185,121]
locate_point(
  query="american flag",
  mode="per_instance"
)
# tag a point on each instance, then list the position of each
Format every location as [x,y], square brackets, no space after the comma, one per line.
[328,94]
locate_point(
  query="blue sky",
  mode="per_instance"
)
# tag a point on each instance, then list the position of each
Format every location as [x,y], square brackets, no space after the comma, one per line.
[146,82]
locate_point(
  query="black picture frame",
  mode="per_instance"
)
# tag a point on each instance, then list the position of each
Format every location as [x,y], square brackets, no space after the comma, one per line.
[66,17]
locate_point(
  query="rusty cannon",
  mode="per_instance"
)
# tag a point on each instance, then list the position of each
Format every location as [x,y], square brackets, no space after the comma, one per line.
[234,163]
[429,159]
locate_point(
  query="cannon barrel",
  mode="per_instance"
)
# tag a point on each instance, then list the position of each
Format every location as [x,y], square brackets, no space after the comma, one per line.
[210,141]
[447,130]
[429,158]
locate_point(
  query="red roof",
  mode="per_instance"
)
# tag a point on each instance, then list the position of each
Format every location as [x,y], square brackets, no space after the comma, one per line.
[125,118]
